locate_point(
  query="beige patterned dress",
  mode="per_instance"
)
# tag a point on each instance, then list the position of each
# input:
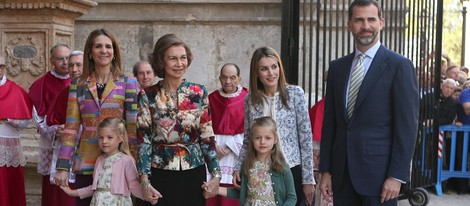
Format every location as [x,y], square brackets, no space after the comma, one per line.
[260,190]
[102,195]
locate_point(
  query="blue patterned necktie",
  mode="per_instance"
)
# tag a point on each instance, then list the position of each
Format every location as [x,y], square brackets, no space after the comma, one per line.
[356,80]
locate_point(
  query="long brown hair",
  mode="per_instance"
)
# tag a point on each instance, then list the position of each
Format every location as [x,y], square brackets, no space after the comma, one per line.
[276,157]
[118,126]
[256,87]
[156,58]
[89,64]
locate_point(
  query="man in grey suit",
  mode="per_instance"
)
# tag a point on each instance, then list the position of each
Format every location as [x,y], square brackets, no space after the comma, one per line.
[371,117]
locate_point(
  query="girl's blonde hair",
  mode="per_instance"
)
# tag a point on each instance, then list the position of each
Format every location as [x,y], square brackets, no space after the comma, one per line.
[118,126]
[276,157]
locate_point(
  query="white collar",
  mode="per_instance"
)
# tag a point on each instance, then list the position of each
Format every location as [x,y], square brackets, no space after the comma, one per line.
[231,95]
[370,52]
[3,80]
[54,73]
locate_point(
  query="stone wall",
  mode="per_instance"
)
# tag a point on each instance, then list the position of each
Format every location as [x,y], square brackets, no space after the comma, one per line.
[217,31]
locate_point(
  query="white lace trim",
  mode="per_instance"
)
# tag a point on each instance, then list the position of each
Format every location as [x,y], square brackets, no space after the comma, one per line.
[11,153]
[231,95]
[59,76]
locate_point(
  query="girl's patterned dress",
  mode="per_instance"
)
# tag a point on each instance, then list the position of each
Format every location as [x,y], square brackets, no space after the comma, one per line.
[102,195]
[260,190]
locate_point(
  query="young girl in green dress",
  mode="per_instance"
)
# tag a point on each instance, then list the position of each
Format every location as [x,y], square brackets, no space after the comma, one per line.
[266,178]
[115,175]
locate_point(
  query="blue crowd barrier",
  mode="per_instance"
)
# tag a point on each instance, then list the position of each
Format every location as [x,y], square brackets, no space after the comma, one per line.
[421,156]
[450,171]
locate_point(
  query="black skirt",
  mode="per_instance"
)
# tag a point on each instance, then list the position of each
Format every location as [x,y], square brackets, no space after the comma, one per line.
[182,188]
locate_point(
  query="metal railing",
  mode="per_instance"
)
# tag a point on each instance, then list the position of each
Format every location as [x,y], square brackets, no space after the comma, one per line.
[413,28]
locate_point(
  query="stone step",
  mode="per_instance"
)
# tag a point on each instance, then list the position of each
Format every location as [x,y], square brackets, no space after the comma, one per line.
[33,187]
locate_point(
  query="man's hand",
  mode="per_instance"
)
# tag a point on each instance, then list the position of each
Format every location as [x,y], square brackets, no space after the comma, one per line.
[325,185]
[221,151]
[390,189]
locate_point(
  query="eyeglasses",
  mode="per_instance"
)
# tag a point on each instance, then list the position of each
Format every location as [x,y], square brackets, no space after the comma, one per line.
[61,59]
[2,66]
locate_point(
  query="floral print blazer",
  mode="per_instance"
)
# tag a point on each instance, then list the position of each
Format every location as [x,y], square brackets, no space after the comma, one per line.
[175,135]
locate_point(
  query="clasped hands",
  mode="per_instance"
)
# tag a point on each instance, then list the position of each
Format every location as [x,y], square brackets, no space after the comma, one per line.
[149,192]
[211,188]
[221,151]
[151,195]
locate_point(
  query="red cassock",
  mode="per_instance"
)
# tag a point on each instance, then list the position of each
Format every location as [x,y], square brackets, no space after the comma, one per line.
[15,102]
[58,110]
[226,113]
[227,116]
[45,90]
[316,118]
[45,93]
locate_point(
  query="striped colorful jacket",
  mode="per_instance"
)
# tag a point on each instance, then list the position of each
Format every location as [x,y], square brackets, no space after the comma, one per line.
[119,99]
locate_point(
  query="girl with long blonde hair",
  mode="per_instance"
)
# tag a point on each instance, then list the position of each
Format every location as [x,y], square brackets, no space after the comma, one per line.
[266,179]
[115,176]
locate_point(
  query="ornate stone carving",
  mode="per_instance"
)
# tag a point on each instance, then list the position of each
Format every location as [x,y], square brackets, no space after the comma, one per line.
[75,6]
[63,39]
[25,56]
[28,29]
